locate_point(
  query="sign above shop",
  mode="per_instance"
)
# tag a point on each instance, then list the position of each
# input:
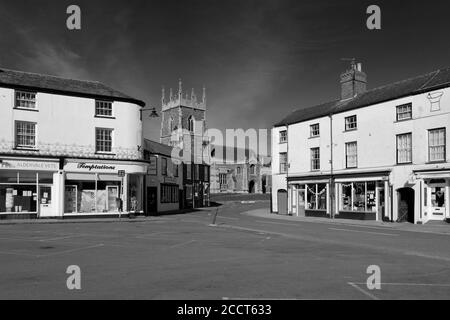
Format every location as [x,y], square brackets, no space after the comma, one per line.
[104,168]
[29,165]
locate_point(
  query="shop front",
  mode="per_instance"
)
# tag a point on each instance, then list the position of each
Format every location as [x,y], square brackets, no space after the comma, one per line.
[103,189]
[28,188]
[309,198]
[435,195]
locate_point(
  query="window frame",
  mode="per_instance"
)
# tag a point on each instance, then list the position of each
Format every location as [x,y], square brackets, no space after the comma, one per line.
[16,106]
[398,150]
[347,145]
[404,112]
[347,123]
[164,167]
[98,106]
[283,137]
[97,144]
[437,146]
[313,130]
[284,164]
[315,160]
[16,140]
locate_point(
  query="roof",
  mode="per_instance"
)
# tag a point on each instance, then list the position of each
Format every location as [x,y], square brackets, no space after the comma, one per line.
[157,148]
[427,82]
[48,83]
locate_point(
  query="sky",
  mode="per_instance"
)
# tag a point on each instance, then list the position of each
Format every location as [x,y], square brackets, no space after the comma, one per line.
[259,59]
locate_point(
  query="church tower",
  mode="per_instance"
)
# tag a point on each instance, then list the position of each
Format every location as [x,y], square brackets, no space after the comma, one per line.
[183,125]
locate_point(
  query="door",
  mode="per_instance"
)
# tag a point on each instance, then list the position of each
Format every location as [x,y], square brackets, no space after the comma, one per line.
[45,201]
[152,201]
[406,205]
[381,203]
[301,203]
[282,202]
[438,199]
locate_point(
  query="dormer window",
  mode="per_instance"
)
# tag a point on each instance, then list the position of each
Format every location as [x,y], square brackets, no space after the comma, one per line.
[103,109]
[25,100]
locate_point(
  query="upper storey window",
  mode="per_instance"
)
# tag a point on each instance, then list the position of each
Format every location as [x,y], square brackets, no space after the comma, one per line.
[103,108]
[283,136]
[25,135]
[25,100]
[351,123]
[191,124]
[404,112]
[315,130]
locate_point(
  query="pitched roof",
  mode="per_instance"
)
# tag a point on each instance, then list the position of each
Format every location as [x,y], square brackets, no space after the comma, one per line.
[157,148]
[430,81]
[41,82]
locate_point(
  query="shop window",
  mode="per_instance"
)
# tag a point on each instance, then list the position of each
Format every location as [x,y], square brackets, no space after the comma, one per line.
[436,145]
[9,177]
[103,108]
[169,194]
[135,193]
[316,197]
[404,148]
[103,140]
[19,198]
[358,196]
[25,100]
[25,135]
[45,177]
[189,192]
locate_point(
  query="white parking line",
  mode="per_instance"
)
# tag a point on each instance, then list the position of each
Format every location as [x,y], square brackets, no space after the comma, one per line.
[69,251]
[370,232]
[412,284]
[371,296]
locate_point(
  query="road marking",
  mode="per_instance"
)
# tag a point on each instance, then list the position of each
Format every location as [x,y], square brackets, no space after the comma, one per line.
[69,251]
[370,232]
[18,253]
[183,244]
[412,284]
[60,238]
[371,296]
[279,223]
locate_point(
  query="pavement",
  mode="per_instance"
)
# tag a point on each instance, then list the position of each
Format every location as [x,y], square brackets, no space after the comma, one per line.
[243,256]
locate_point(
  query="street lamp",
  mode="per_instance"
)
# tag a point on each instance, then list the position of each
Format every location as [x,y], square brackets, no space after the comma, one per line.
[153,114]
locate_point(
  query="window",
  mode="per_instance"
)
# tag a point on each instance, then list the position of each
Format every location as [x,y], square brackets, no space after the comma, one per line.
[358,196]
[283,136]
[171,128]
[188,171]
[315,130]
[315,159]
[206,175]
[169,194]
[191,124]
[316,197]
[176,169]
[436,145]
[404,148]
[103,109]
[103,140]
[351,154]
[283,162]
[223,179]
[197,172]
[238,170]
[404,112]
[252,169]
[164,166]
[25,134]
[26,100]
[351,123]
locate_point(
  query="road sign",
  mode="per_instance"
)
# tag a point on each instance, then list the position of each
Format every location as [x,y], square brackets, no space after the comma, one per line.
[121,173]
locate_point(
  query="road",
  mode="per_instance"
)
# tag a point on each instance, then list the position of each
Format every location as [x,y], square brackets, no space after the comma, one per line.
[243,257]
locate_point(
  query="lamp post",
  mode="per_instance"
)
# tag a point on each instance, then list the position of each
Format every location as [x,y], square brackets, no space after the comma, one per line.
[153,114]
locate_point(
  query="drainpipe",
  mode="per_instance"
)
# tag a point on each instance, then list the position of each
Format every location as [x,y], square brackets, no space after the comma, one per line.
[332,186]
[287,167]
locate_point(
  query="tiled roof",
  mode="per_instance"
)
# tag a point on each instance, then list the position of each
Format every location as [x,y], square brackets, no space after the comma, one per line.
[157,148]
[431,81]
[19,79]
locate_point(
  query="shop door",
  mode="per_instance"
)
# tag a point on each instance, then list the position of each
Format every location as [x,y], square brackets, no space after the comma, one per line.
[438,205]
[381,203]
[45,202]
[301,203]
[282,202]
[406,205]
[152,200]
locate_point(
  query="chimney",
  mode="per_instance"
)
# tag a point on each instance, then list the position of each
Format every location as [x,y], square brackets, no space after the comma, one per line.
[353,82]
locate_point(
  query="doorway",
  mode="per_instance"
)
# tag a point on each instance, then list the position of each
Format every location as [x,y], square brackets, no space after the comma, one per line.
[282,198]
[406,205]
[152,200]
[45,201]
[251,187]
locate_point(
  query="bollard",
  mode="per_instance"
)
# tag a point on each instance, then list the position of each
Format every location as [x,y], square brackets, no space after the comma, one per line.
[213,224]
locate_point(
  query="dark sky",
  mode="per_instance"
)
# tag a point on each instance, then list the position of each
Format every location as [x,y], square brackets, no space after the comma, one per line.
[259,59]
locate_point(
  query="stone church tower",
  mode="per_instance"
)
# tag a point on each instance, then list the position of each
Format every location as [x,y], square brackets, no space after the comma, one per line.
[184,126]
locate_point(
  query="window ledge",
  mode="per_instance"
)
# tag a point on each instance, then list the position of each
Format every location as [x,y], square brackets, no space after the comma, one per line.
[350,130]
[283,142]
[26,109]
[436,162]
[105,154]
[404,164]
[105,117]
[315,137]
[25,149]
[406,120]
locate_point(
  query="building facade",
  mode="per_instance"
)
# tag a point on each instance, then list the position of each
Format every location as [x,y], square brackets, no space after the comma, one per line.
[184,127]
[68,148]
[379,155]
[235,170]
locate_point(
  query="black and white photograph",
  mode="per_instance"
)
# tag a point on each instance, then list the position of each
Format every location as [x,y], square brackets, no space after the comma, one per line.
[234,158]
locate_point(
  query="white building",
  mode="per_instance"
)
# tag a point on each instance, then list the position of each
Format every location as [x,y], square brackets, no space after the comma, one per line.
[380,154]
[68,148]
